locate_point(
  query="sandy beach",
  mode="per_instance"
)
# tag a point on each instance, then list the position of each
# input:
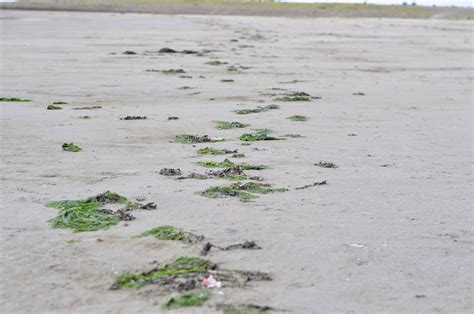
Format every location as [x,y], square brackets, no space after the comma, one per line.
[390,232]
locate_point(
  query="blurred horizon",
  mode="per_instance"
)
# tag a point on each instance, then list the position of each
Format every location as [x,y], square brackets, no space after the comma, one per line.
[460,3]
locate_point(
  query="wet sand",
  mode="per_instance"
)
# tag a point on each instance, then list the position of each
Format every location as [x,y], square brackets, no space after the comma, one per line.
[390,232]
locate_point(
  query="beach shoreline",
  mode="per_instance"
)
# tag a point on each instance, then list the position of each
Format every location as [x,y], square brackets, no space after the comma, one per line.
[370,159]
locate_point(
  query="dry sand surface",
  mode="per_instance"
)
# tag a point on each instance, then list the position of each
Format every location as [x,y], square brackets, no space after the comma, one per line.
[390,232]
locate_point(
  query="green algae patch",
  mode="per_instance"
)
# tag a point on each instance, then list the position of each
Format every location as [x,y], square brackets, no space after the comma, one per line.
[70,147]
[297,96]
[172,233]
[188,299]
[169,71]
[297,118]
[87,215]
[13,99]
[229,164]
[257,110]
[60,103]
[241,190]
[215,151]
[294,98]
[214,164]
[193,139]
[259,135]
[243,309]
[272,107]
[210,151]
[186,87]
[54,107]
[216,62]
[180,266]
[249,111]
[224,125]
[85,117]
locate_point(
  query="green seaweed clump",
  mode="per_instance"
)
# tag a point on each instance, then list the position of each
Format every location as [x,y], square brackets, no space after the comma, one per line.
[86,215]
[180,266]
[53,107]
[60,103]
[193,139]
[296,96]
[243,309]
[186,274]
[210,151]
[185,87]
[85,117]
[216,62]
[70,147]
[297,118]
[258,135]
[214,164]
[272,107]
[214,151]
[169,72]
[229,164]
[224,125]
[13,99]
[240,190]
[187,299]
[257,110]
[172,233]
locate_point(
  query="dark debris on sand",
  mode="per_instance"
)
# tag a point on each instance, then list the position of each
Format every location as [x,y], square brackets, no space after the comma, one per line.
[194,175]
[170,172]
[170,50]
[134,118]
[244,308]
[166,50]
[148,206]
[311,185]
[87,108]
[247,245]
[326,164]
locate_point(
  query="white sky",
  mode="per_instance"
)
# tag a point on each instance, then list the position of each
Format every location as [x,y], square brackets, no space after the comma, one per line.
[464,3]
